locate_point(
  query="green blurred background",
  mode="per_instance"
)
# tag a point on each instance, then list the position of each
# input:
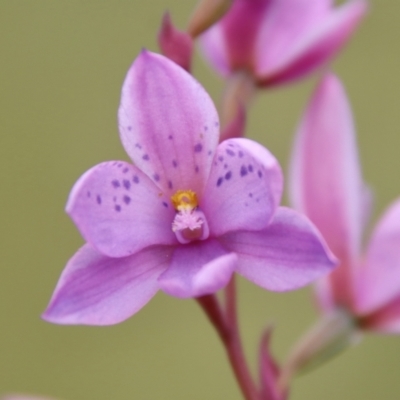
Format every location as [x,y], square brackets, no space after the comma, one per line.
[61,69]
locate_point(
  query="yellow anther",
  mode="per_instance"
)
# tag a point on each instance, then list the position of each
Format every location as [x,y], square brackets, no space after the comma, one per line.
[184,200]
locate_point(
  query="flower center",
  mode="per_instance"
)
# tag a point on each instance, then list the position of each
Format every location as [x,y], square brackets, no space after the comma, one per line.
[189,223]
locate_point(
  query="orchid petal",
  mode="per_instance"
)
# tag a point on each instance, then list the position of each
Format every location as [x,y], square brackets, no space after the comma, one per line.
[379,280]
[241,26]
[168,124]
[244,188]
[213,46]
[285,23]
[119,210]
[289,254]
[295,52]
[98,290]
[326,182]
[198,269]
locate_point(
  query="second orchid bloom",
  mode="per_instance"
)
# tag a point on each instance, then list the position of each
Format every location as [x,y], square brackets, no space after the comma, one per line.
[326,184]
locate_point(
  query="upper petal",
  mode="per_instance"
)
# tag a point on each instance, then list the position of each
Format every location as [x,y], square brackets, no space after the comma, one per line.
[298,41]
[325,179]
[244,188]
[97,290]
[289,254]
[119,210]
[198,269]
[229,44]
[168,123]
[379,279]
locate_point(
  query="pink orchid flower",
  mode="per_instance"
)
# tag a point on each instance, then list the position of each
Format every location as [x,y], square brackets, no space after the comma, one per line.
[277,41]
[185,215]
[326,184]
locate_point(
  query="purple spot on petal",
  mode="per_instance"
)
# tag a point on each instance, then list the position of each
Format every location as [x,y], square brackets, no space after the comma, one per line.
[156,177]
[196,169]
[230,152]
[250,168]
[146,157]
[228,175]
[125,170]
[216,123]
[115,183]
[219,181]
[138,145]
[250,194]
[225,166]
[129,128]
[135,179]
[117,208]
[127,184]
[127,200]
[98,198]
[170,185]
[198,148]
[220,158]
[88,194]
[170,137]
[246,204]
[205,127]
[243,170]
[165,204]
[241,154]
[210,152]
[174,163]
[259,173]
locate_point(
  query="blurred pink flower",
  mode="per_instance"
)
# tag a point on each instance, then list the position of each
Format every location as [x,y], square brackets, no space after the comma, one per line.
[277,41]
[185,215]
[326,184]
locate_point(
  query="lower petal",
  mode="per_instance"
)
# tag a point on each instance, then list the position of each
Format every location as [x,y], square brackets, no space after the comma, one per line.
[97,290]
[316,47]
[198,269]
[289,254]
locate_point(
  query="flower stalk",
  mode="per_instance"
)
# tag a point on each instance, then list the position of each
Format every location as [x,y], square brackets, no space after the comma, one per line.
[226,325]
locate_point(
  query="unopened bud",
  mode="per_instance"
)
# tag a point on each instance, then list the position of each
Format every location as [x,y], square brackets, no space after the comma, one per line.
[175,44]
[207,13]
[331,335]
